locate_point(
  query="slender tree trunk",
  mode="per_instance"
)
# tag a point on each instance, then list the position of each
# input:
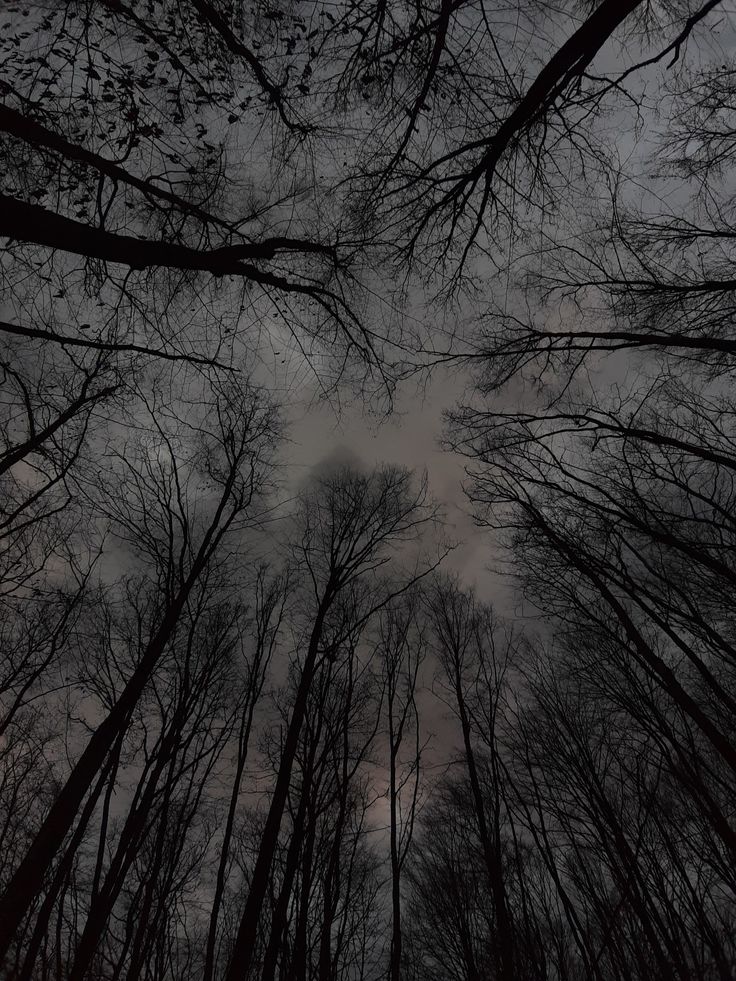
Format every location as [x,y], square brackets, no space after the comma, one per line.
[395,962]
[146,928]
[332,885]
[299,966]
[248,930]
[280,914]
[243,740]
[491,855]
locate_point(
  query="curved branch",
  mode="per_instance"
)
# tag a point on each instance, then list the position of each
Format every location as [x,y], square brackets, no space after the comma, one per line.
[39,333]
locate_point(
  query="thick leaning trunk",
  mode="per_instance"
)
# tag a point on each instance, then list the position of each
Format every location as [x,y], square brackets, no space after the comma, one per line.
[125,854]
[27,881]
[32,223]
[566,65]
[60,878]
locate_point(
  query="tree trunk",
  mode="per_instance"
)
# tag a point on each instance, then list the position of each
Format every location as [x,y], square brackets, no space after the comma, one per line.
[243,948]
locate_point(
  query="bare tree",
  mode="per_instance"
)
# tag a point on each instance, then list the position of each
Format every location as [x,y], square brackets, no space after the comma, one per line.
[349,523]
